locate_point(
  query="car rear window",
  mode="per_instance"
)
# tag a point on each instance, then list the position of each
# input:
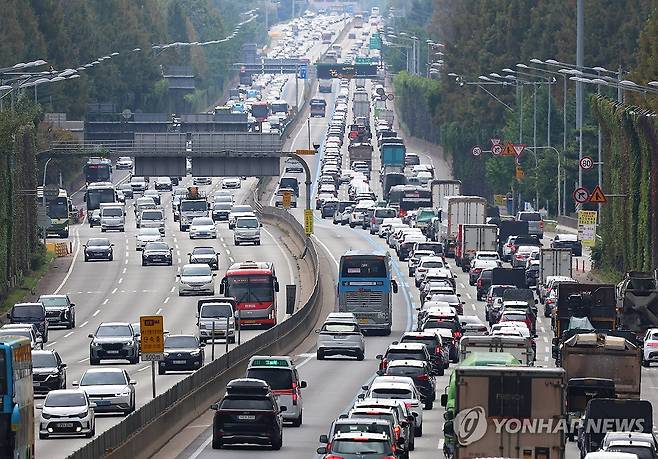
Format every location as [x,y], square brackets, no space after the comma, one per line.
[390,392]
[246,404]
[430,343]
[530,217]
[278,379]
[402,355]
[404,371]
[385,213]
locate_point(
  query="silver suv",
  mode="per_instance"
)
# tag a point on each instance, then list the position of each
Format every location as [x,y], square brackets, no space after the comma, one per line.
[337,337]
[114,341]
[535,223]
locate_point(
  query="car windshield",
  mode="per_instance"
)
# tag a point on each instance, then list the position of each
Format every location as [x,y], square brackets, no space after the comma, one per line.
[278,379]
[530,217]
[203,222]
[513,317]
[216,311]
[360,447]
[196,270]
[27,311]
[222,206]
[430,343]
[246,404]
[98,242]
[432,264]
[149,232]
[156,246]
[203,251]
[57,400]
[44,360]
[247,223]
[181,342]
[152,215]
[113,330]
[340,328]
[193,206]
[112,212]
[102,378]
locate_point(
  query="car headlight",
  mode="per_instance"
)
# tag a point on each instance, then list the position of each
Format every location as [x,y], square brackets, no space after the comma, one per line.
[83,414]
[45,415]
[127,343]
[194,353]
[165,354]
[203,326]
[95,345]
[124,393]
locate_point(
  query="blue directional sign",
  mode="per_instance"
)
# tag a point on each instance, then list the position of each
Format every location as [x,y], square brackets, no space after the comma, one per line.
[302,71]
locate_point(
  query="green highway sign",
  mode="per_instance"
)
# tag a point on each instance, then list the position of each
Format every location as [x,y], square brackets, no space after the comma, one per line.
[328,71]
[362,60]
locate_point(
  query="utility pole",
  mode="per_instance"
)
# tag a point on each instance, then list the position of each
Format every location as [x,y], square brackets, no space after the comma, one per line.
[579,85]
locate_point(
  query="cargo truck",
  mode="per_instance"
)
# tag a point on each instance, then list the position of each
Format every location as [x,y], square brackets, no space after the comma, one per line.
[443,188]
[455,211]
[507,412]
[637,299]
[554,262]
[194,204]
[474,238]
[519,347]
[508,276]
[386,114]
[392,154]
[360,151]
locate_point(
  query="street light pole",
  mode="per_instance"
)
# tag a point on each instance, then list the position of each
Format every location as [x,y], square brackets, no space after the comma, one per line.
[580,32]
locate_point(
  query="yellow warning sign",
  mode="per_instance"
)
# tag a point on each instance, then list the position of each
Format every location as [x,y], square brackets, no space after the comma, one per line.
[305,152]
[509,150]
[151,329]
[597,196]
[519,172]
[287,198]
[308,221]
[500,199]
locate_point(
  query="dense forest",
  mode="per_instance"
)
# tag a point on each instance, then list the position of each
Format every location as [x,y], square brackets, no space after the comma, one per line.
[480,37]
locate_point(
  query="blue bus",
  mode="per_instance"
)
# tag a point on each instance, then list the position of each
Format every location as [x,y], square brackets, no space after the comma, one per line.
[17,411]
[364,289]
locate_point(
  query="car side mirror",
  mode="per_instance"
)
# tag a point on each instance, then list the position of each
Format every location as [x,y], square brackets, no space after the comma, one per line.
[283,408]
[324,438]
[364,387]
[214,406]
[90,335]
[303,385]
[380,373]
[75,384]
[361,396]
[261,225]
[72,304]
[63,365]
[379,356]
[132,382]
[321,450]
[112,245]
[444,400]
[394,286]
[189,254]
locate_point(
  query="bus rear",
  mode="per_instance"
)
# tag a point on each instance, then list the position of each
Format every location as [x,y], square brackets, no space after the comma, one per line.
[318,107]
[58,209]
[254,286]
[98,170]
[364,289]
[98,193]
[17,410]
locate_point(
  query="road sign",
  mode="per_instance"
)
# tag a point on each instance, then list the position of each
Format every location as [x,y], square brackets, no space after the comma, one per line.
[597,196]
[328,71]
[308,221]
[51,192]
[305,152]
[152,357]
[497,150]
[476,150]
[151,329]
[390,96]
[287,198]
[495,141]
[587,227]
[518,172]
[518,148]
[380,91]
[302,72]
[509,150]
[586,163]
[580,195]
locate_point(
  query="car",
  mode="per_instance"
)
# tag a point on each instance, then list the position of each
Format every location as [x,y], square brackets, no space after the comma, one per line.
[356,424]
[487,255]
[281,374]
[26,330]
[356,445]
[477,266]
[293,166]
[157,253]
[95,218]
[403,417]
[280,195]
[535,222]
[202,181]
[220,210]
[67,412]
[126,189]
[216,319]
[138,184]
[114,341]
[239,211]
[650,347]
[532,273]
[522,254]
[98,249]
[231,183]
[329,207]
[124,162]
[111,389]
[340,338]
[421,374]
[205,255]
[48,371]
[629,436]
[404,351]
[425,263]
[152,218]
[414,259]
[196,279]
[59,310]
[163,183]
[247,402]
[146,235]
[638,448]
[246,229]
[440,359]
[568,241]
[181,353]
[202,228]
[153,194]
[483,282]
[398,388]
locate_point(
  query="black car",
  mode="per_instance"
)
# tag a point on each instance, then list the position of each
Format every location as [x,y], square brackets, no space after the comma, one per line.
[94,218]
[157,253]
[248,413]
[59,310]
[115,341]
[48,371]
[328,208]
[30,313]
[99,249]
[531,275]
[220,211]
[205,255]
[483,282]
[440,358]
[568,241]
[181,353]
[422,375]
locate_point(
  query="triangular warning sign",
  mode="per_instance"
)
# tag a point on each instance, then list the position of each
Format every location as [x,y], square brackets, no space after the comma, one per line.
[518,148]
[597,196]
[508,150]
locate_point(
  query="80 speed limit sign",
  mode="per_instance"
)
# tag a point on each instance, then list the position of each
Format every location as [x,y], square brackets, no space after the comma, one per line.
[586,163]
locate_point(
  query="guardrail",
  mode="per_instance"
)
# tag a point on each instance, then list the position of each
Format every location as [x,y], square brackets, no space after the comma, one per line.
[145,431]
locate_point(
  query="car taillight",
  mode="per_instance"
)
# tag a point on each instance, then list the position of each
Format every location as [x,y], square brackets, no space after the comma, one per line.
[397,429]
[479,283]
[408,404]
[333,456]
[423,377]
[437,350]
[383,364]
[652,344]
[373,221]
[477,270]
[541,224]
[457,334]
[294,393]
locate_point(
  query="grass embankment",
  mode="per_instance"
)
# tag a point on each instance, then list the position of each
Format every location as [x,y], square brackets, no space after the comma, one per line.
[20,293]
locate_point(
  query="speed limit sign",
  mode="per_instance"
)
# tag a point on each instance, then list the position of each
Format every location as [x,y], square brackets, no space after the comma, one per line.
[496,150]
[586,163]
[476,150]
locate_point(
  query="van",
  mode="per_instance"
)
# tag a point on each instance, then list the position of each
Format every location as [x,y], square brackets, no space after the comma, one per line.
[246,229]
[379,215]
[152,218]
[281,374]
[289,182]
[30,313]
[112,217]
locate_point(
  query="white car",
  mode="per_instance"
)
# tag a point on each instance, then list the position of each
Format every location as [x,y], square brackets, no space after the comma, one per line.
[111,389]
[239,211]
[67,412]
[399,388]
[124,162]
[487,255]
[196,279]
[202,180]
[231,183]
[203,228]
[425,264]
[650,348]
[145,235]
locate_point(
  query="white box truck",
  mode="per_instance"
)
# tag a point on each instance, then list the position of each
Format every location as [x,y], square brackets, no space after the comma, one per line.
[519,347]
[554,262]
[507,412]
[474,238]
[443,188]
[459,210]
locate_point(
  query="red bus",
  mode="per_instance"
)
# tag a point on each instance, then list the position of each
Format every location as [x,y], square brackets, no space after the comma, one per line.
[254,286]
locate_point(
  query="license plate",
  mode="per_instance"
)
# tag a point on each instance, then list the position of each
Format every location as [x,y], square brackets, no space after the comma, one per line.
[363,321]
[112,352]
[102,402]
[64,424]
[247,417]
[179,362]
[340,337]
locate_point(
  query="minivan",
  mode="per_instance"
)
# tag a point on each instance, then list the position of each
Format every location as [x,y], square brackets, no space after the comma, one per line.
[379,215]
[247,229]
[30,313]
[289,182]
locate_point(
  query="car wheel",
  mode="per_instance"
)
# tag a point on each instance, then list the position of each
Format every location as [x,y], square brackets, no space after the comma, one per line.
[42,436]
[258,243]
[111,257]
[93,361]
[410,273]
[231,340]
[236,243]
[297,422]
[360,356]
[216,443]
[143,262]
[91,433]
[320,355]
[429,405]
[418,431]
[86,258]
[276,445]
[441,372]
[134,360]
[646,363]
[352,225]
[161,371]
[103,230]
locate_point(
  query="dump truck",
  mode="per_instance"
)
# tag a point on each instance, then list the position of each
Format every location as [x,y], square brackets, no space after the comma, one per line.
[360,151]
[194,204]
[637,299]
[519,347]
[507,412]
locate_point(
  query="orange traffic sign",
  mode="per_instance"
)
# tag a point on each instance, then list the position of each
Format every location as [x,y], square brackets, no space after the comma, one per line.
[519,172]
[151,335]
[509,150]
[597,196]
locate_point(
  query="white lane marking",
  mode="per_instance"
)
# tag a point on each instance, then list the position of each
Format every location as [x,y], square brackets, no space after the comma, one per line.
[68,334]
[144,368]
[324,246]
[105,301]
[545,358]
[120,280]
[70,270]
[228,252]
[178,252]
[201,447]
[114,290]
[52,343]
[469,296]
[290,271]
[179,260]
[173,289]
[166,300]
[124,270]
[221,238]
[84,323]
[473,306]
[542,328]
[158,311]
[305,361]
[83,360]
[126,261]
[97,312]
[231,259]
[544,339]
[461,285]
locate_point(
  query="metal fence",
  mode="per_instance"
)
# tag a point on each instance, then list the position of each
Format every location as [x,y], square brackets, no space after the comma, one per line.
[147,429]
